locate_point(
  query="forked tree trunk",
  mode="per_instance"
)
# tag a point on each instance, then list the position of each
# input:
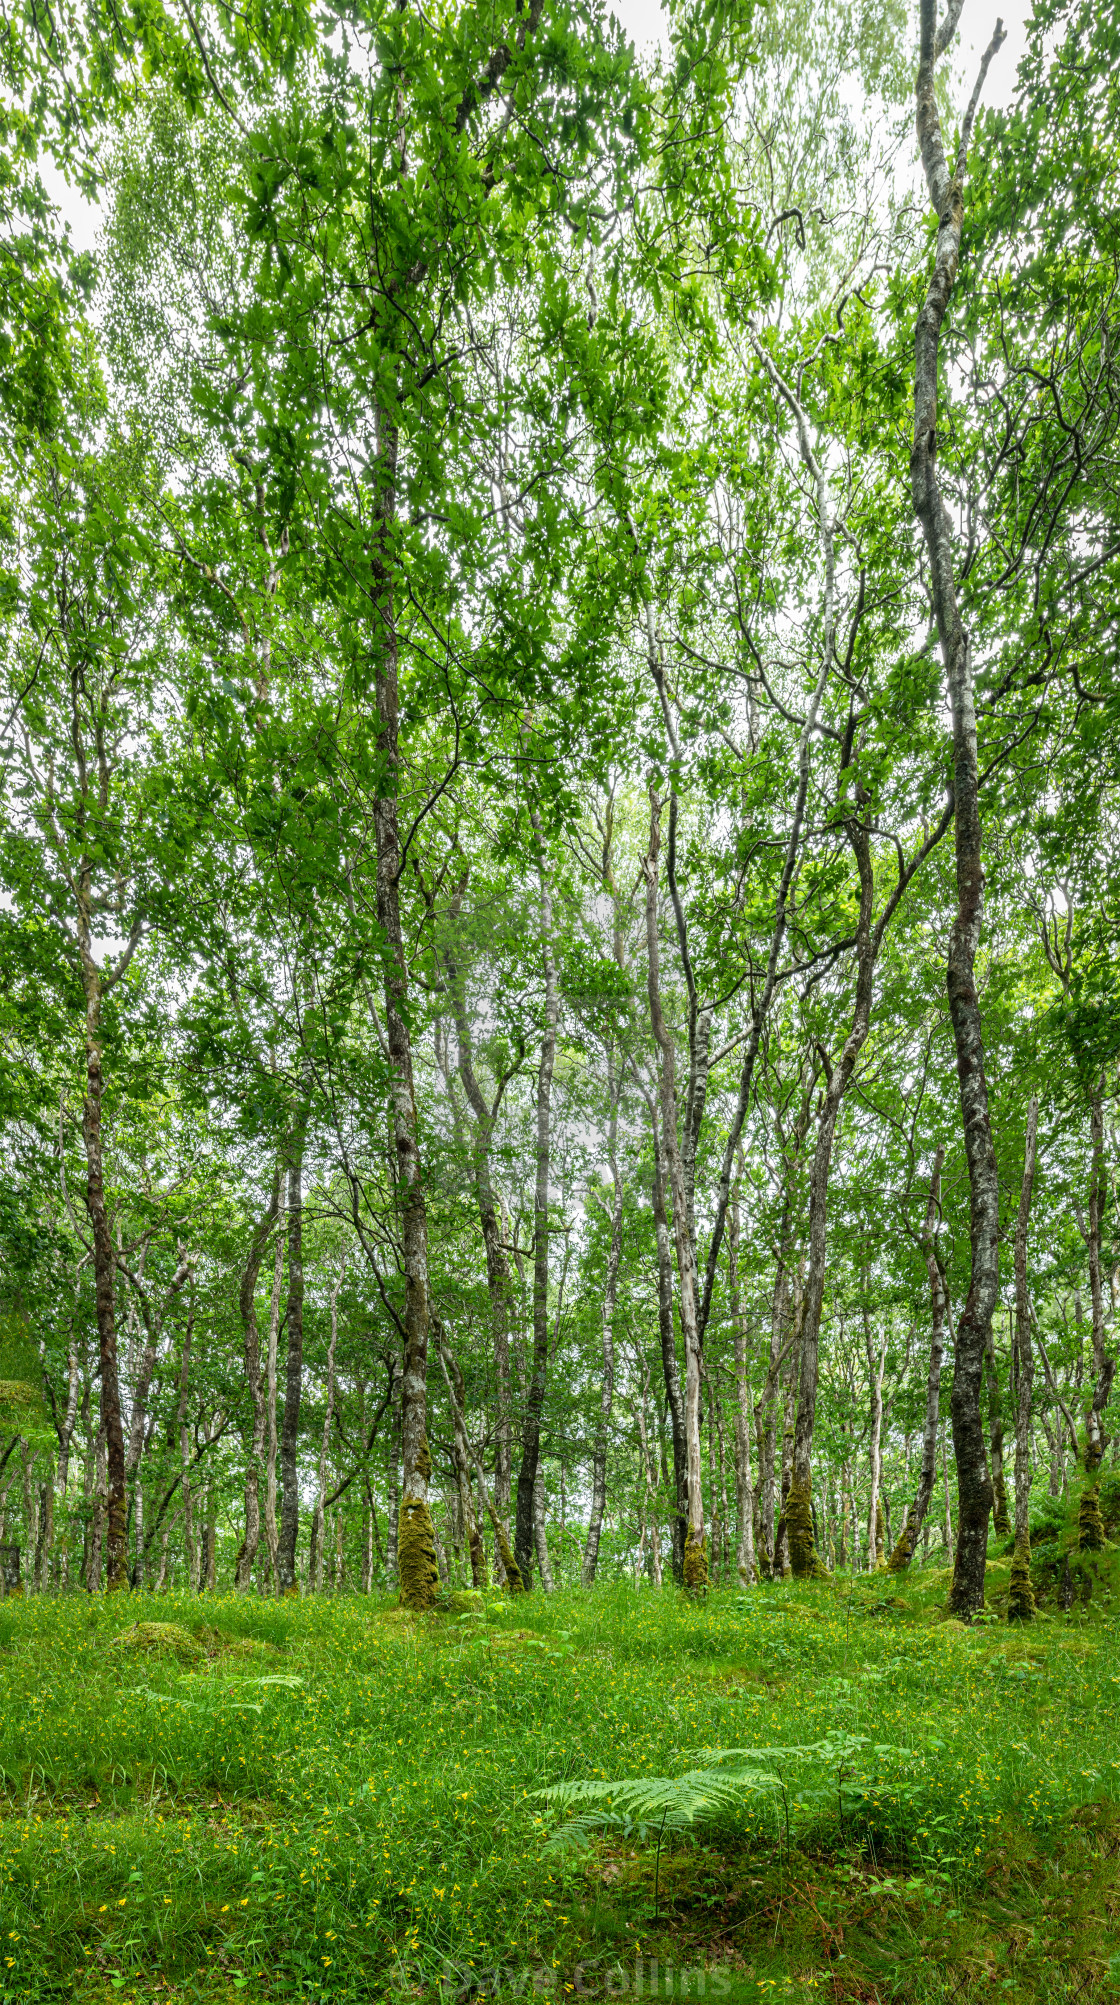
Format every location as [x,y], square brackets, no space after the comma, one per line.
[927,1475]
[974,1489]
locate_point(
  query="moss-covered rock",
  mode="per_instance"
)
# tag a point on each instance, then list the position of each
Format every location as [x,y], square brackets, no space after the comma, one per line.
[466,1602]
[160,1639]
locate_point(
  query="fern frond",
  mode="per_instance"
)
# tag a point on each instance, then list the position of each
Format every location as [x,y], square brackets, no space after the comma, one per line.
[659,1802]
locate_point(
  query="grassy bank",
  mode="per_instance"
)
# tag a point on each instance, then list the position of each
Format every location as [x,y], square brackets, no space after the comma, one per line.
[329,1800]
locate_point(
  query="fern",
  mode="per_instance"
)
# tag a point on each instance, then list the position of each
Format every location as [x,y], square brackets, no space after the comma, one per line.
[642,1805]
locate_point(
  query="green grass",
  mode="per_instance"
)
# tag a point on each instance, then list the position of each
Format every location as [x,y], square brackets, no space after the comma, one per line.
[336,1801]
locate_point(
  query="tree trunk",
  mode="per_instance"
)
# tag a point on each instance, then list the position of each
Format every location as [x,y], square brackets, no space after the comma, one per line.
[271,1533]
[974,1489]
[416,1559]
[319,1525]
[875,1365]
[293,1379]
[540,1531]
[255,1450]
[189,1550]
[915,1516]
[1090,1523]
[534,1405]
[606,1397]
[696,1551]
[1020,1605]
[393,1492]
[476,1545]
[804,1558]
[104,1277]
[745,1566]
[498,1282]
[669,1367]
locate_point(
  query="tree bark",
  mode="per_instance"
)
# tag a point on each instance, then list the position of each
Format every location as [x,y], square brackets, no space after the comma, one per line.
[927,1475]
[974,1488]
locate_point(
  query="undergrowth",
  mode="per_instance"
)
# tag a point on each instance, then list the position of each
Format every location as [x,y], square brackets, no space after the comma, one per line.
[329,1799]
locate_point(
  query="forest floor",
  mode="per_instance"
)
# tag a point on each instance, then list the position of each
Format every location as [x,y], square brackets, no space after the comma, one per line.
[328,1799]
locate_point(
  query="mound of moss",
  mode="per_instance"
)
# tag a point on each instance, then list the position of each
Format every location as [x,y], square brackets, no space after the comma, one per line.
[159,1639]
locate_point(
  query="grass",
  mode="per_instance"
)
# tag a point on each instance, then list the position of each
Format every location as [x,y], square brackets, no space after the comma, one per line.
[328,1799]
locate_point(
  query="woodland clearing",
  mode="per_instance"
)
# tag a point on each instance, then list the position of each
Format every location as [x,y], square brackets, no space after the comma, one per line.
[271,1821]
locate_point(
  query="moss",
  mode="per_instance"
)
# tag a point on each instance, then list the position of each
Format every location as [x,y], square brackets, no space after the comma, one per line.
[695,1564]
[416,1555]
[161,1639]
[1020,1599]
[514,1582]
[16,1392]
[904,1547]
[1000,1516]
[1090,1524]
[465,1603]
[880,1534]
[480,1567]
[804,1561]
